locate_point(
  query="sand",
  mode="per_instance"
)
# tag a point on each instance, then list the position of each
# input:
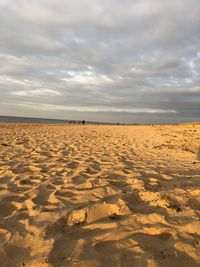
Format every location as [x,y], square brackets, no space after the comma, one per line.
[95,196]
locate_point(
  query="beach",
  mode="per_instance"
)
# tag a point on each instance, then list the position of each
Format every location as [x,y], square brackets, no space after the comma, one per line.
[99,195]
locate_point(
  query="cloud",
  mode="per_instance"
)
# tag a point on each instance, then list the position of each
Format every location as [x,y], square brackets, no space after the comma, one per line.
[37,92]
[87,78]
[48,107]
[109,59]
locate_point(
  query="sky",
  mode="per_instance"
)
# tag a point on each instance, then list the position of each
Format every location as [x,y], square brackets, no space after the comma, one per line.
[130,61]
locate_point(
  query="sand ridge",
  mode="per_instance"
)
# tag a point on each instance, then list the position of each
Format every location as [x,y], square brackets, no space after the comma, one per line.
[99,195]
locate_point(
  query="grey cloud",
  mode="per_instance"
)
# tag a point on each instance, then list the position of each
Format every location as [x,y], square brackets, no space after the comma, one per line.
[109,58]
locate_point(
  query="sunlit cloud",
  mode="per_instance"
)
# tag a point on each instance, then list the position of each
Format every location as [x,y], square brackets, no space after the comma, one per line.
[37,92]
[87,78]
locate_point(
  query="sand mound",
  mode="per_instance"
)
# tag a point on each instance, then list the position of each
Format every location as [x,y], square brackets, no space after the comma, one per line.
[97,212]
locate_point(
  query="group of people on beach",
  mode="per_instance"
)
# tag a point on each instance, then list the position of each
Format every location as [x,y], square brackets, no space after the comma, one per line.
[77,122]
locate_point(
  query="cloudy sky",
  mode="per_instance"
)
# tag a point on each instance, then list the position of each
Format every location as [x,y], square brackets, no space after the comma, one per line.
[101,60]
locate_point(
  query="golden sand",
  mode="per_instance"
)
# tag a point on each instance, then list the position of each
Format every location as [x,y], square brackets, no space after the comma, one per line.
[95,196]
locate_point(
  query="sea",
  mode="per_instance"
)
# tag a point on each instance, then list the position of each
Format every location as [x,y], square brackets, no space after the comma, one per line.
[12,119]
[28,120]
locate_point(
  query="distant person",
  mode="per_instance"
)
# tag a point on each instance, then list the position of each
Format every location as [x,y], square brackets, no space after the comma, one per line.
[83,122]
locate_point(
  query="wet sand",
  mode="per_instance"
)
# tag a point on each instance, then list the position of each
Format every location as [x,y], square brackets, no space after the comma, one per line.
[95,196]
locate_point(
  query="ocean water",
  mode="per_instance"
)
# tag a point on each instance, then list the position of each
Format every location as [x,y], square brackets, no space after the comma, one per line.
[10,119]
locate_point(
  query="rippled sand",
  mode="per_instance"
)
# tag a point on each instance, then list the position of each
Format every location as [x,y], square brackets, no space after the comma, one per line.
[95,196]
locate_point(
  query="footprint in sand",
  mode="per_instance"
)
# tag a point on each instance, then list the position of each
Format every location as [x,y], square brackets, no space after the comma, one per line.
[19,169]
[4,236]
[6,209]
